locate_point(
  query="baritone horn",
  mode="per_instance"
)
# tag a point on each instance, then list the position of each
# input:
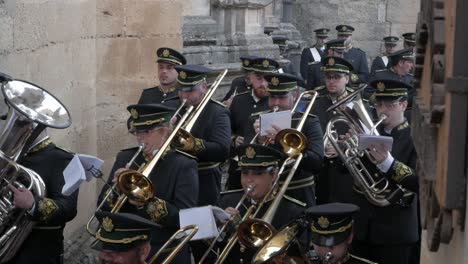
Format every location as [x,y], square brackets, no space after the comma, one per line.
[377,189]
[184,140]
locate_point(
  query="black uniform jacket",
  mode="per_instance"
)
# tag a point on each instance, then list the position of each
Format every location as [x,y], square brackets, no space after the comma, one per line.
[358,59]
[334,183]
[392,224]
[348,259]
[310,69]
[238,85]
[377,64]
[45,243]
[242,108]
[288,210]
[175,185]
[302,184]
[213,132]
[154,95]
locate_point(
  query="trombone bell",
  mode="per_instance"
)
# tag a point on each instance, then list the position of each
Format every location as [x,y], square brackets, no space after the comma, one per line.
[135,185]
[253,233]
[292,141]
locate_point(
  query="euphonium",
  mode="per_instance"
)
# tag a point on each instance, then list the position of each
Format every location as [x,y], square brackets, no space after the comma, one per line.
[184,140]
[375,186]
[31,109]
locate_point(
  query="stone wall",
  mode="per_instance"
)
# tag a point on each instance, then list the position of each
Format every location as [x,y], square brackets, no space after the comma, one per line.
[96,56]
[372,19]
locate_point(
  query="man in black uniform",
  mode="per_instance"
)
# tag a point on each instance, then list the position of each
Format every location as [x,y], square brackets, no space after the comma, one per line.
[51,213]
[259,168]
[381,62]
[355,56]
[211,132]
[332,232]
[243,106]
[388,234]
[400,67]
[409,40]
[283,92]
[240,84]
[123,238]
[174,177]
[313,55]
[167,60]
[334,182]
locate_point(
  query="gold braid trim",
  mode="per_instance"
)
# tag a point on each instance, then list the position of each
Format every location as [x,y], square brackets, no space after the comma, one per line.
[47,208]
[156,209]
[40,146]
[401,171]
[339,230]
[126,240]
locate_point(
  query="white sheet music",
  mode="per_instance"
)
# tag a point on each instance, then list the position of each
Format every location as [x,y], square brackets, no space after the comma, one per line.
[280,119]
[204,218]
[81,168]
[365,141]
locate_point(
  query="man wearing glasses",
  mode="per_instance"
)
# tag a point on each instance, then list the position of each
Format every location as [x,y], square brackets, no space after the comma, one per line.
[334,183]
[390,234]
[174,178]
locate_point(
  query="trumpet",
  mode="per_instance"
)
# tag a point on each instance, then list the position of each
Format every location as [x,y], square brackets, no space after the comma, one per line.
[252,232]
[112,189]
[175,251]
[184,140]
[224,226]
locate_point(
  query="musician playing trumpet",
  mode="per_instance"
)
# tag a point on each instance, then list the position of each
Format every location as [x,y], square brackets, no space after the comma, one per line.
[283,93]
[174,177]
[259,168]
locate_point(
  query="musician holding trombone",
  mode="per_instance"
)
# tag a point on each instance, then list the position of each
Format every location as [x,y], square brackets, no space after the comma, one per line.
[259,168]
[174,177]
[283,93]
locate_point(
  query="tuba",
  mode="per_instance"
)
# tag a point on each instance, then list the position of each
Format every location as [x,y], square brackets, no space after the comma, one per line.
[377,189]
[30,110]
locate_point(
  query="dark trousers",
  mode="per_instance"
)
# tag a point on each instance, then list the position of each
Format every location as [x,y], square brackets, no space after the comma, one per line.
[383,254]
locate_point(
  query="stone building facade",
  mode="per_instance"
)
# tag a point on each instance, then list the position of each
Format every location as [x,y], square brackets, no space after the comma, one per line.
[97,55]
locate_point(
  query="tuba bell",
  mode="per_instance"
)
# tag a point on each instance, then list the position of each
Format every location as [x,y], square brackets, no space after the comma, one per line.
[30,110]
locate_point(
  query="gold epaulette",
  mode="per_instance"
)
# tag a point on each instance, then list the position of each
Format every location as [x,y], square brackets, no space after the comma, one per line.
[232,191]
[349,89]
[363,259]
[218,102]
[289,198]
[261,112]
[186,154]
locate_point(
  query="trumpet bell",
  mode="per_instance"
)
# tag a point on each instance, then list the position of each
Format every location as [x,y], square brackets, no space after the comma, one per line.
[183,140]
[135,185]
[292,141]
[254,233]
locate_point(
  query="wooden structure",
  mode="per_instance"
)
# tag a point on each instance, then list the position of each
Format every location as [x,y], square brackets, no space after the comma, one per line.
[440,116]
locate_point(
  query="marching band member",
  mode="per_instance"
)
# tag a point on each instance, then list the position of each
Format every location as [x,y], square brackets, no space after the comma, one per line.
[283,92]
[259,168]
[174,177]
[240,84]
[51,213]
[381,62]
[332,231]
[123,238]
[390,234]
[243,106]
[312,56]
[167,60]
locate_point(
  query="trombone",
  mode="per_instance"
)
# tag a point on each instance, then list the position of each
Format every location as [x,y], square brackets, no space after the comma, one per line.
[175,251]
[112,190]
[252,232]
[184,140]
[224,226]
